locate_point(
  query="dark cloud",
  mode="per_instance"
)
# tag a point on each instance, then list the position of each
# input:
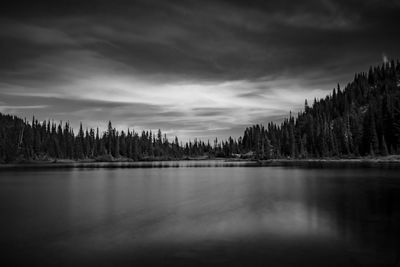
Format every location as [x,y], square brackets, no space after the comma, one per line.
[209,39]
[211,111]
[87,51]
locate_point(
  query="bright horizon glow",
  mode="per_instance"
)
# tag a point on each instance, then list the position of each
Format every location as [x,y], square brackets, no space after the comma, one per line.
[213,106]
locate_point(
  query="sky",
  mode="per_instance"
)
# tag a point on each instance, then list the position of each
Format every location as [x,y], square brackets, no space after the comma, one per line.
[200,69]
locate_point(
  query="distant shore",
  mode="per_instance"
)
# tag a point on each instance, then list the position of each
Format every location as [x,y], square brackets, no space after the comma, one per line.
[387,161]
[393,160]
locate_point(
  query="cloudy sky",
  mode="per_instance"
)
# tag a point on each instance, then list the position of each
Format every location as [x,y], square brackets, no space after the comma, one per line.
[192,68]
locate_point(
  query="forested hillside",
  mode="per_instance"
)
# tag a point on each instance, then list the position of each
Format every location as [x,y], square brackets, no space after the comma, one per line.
[363,119]
[360,120]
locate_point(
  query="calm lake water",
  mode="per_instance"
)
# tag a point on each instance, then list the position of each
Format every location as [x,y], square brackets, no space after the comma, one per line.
[208,216]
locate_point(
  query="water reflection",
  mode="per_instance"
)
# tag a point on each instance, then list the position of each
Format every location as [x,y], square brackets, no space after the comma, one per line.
[202,216]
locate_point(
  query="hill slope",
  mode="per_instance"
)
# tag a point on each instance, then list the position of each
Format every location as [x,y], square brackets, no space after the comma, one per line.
[363,119]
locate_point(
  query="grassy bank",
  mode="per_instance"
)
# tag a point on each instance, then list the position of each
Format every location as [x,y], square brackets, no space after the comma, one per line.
[388,161]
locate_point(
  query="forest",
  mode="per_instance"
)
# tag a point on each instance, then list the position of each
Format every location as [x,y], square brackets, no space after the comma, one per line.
[363,119]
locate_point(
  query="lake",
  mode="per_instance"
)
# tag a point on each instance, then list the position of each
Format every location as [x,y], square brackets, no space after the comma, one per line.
[207,216]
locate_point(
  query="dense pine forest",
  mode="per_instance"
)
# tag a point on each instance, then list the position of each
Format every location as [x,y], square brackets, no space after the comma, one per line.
[363,119]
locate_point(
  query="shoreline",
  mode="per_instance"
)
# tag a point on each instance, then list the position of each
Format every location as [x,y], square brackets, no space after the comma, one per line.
[389,161]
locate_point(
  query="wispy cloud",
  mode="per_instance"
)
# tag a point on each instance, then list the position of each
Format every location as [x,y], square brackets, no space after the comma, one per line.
[17,109]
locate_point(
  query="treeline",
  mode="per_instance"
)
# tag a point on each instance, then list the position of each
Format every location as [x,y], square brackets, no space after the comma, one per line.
[21,140]
[361,120]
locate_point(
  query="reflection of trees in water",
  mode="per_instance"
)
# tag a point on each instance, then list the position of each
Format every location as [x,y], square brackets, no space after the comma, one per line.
[364,207]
